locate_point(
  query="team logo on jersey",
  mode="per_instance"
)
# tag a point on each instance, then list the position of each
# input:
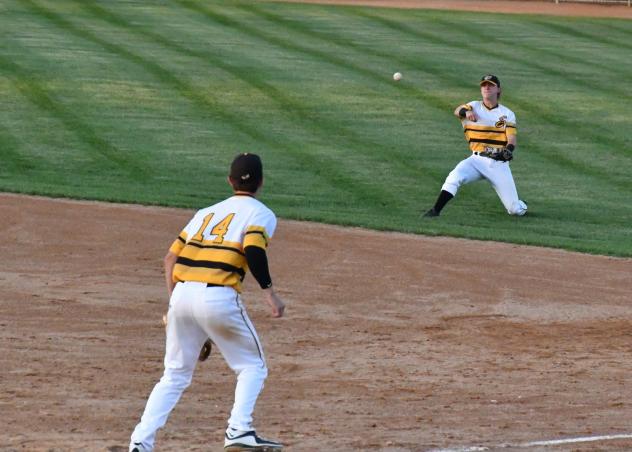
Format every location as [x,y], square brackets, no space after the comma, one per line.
[502,122]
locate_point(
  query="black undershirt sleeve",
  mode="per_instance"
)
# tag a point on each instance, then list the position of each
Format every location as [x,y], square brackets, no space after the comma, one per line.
[258,264]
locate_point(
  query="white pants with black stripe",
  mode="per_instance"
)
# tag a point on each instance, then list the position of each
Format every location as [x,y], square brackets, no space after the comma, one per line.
[197,312]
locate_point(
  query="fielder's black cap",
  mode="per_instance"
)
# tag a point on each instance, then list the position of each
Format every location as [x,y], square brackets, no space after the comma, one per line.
[246,168]
[489,78]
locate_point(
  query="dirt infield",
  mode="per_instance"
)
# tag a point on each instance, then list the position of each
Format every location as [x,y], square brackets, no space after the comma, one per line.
[614,10]
[392,342]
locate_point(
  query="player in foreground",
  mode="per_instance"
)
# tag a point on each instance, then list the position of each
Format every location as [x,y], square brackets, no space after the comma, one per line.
[490,129]
[204,269]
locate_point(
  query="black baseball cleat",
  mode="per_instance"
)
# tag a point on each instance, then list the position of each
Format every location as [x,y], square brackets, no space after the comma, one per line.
[431,213]
[238,441]
[137,447]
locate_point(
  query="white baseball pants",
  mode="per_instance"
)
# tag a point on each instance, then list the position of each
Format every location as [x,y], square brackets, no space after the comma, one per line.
[497,173]
[197,312]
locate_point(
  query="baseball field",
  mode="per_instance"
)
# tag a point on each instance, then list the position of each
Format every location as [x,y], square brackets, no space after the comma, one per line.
[471,331]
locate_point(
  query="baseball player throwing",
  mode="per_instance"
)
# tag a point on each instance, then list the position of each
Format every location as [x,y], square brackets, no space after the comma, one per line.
[490,129]
[204,269]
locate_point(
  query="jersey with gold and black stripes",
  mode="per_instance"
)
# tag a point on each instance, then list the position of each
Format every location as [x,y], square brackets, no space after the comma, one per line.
[492,127]
[211,247]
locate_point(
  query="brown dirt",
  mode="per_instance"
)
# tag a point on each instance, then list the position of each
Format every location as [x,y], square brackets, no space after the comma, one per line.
[615,10]
[392,342]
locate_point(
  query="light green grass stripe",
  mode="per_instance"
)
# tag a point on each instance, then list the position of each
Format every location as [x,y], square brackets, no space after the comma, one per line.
[539,59]
[11,158]
[333,174]
[293,111]
[582,34]
[329,58]
[367,50]
[33,91]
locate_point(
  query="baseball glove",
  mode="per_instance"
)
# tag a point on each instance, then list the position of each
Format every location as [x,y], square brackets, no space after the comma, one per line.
[503,155]
[205,352]
[499,154]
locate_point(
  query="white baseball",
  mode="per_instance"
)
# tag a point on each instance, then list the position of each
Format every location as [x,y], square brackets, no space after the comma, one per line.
[397,76]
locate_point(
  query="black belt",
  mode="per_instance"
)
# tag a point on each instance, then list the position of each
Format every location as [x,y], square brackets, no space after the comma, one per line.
[215,285]
[481,154]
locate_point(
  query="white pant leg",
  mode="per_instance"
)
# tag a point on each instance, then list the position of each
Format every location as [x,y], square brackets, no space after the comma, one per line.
[499,175]
[464,173]
[184,340]
[228,325]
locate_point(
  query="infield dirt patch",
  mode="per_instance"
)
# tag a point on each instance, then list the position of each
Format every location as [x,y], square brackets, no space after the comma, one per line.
[392,342]
[615,10]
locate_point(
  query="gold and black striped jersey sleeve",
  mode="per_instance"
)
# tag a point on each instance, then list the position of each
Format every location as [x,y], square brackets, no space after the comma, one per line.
[256,236]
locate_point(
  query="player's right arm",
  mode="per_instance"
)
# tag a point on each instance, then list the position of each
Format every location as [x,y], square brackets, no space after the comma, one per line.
[465,111]
[169,262]
[171,258]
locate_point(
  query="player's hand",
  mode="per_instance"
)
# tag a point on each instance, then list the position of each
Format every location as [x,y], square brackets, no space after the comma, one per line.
[276,304]
[471,116]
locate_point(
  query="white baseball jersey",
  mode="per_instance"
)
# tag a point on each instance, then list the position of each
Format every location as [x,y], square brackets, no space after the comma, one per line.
[210,253]
[210,248]
[492,127]
[491,130]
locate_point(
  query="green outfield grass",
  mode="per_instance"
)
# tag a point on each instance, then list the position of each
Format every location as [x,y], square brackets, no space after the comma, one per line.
[136,101]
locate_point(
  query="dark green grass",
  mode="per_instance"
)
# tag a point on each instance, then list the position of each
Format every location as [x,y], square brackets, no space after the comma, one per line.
[134,101]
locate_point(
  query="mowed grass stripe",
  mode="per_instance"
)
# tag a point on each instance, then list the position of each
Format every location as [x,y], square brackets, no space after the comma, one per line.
[429,99]
[440,106]
[12,159]
[333,173]
[37,95]
[537,58]
[621,27]
[291,46]
[581,34]
[289,108]
[293,111]
[368,51]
